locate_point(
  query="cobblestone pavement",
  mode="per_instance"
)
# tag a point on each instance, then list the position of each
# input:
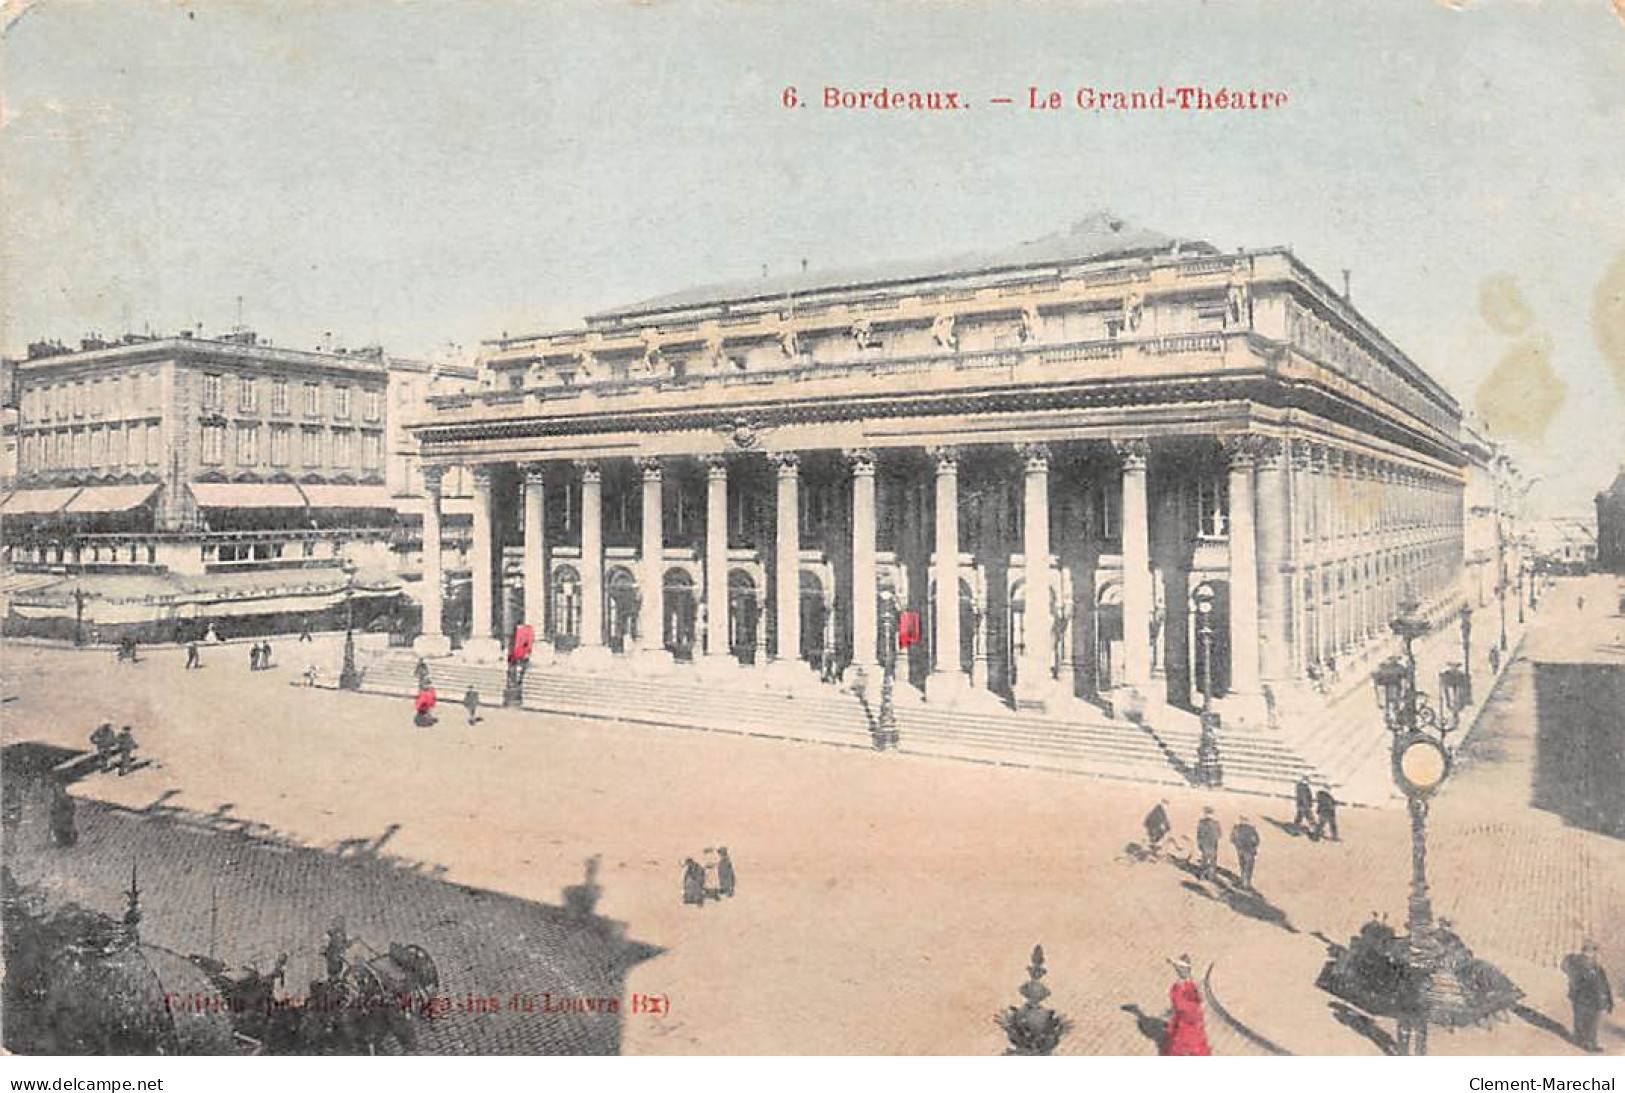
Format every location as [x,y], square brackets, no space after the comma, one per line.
[886,904]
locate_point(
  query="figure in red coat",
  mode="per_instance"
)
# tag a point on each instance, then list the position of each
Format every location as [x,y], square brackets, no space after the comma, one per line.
[1184,1035]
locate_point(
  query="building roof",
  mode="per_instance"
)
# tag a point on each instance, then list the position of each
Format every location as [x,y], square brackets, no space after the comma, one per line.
[1101,235]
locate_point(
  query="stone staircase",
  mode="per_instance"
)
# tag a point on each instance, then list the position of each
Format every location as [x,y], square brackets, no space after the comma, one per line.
[1082,740]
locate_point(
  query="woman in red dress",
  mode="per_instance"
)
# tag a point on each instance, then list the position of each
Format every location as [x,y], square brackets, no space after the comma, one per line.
[1184,1034]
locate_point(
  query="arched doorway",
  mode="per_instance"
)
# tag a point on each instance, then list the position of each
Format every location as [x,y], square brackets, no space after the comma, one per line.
[621,607]
[678,625]
[744,613]
[1109,638]
[1210,659]
[814,618]
[566,607]
[967,627]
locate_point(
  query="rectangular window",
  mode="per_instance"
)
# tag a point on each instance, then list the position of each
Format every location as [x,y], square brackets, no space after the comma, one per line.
[311,447]
[98,447]
[115,446]
[248,393]
[1210,499]
[214,443]
[154,445]
[279,396]
[341,402]
[313,400]
[1108,499]
[248,445]
[341,447]
[372,405]
[211,392]
[372,450]
[279,445]
[94,396]
[81,449]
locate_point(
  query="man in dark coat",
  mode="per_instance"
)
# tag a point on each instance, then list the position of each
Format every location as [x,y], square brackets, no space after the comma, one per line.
[125,745]
[1303,798]
[254,657]
[192,659]
[1207,842]
[1156,827]
[334,952]
[1588,993]
[105,741]
[693,883]
[471,702]
[1244,837]
[725,872]
[1325,813]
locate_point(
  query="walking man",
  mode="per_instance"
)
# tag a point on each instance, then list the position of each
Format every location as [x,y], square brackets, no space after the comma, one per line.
[192,659]
[693,883]
[471,702]
[1325,813]
[1588,993]
[725,872]
[1156,827]
[254,657]
[125,746]
[1303,797]
[1207,842]
[1244,837]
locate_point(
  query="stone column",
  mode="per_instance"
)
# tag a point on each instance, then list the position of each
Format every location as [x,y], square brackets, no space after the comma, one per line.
[1272,533]
[1244,631]
[592,557]
[1033,681]
[652,610]
[716,558]
[481,645]
[536,548]
[864,591]
[947,680]
[1136,567]
[787,558]
[432,642]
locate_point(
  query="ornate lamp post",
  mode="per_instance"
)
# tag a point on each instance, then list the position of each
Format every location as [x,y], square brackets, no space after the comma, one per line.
[1522,569]
[886,734]
[1421,763]
[1209,771]
[79,597]
[349,678]
[1466,616]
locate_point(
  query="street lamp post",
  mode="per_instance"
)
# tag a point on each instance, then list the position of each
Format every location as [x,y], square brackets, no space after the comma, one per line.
[1420,762]
[1467,647]
[79,597]
[1209,771]
[349,678]
[886,734]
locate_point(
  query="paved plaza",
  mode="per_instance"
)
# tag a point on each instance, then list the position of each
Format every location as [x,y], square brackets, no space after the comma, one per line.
[886,903]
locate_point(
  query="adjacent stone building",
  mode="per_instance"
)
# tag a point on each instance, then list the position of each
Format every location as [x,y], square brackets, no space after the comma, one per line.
[1611,526]
[1107,465]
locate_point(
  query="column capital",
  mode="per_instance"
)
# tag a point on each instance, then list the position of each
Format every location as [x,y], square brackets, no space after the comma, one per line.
[433,477]
[651,466]
[716,467]
[1244,450]
[945,457]
[861,461]
[788,463]
[482,475]
[535,474]
[1134,452]
[1036,456]
[589,469]
[1320,455]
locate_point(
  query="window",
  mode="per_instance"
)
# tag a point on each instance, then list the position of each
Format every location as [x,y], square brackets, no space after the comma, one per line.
[248,445]
[154,445]
[313,400]
[214,443]
[1108,499]
[817,508]
[372,404]
[211,392]
[311,447]
[341,402]
[95,394]
[115,446]
[372,450]
[683,512]
[279,396]
[280,441]
[341,447]
[248,393]
[1210,506]
[98,447]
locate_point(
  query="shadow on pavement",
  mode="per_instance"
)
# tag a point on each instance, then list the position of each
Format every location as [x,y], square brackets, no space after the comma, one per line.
[1580,745]
[1152,1028]
[1365,1025]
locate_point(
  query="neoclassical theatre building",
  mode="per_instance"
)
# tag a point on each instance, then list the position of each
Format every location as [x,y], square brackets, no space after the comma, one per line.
[1106,465]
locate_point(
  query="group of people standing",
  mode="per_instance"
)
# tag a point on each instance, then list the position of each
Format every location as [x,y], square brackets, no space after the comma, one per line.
[1314,811]
[259,656]
[713,880]
[1243,837]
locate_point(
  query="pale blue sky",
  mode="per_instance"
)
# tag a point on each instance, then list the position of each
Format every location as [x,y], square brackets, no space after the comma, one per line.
[423,173]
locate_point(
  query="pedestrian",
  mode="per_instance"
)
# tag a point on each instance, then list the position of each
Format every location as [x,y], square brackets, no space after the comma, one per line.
[1588,993]
[423,705]
[254,657]
[725,872]
[1156,826]
[471,702]
[1183,1033]
[125,745]
[337,946]
[192,658]
[713,874]
[304,629]
[1244,837]
[1495,660]
[265,655]
[693,883]
[422,671]
[105,741]
[1207,841]
[63,830]
[1325,813]
[1303,797]
[212,636]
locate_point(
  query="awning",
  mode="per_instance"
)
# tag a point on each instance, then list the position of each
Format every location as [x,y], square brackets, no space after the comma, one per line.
[247,495]
[111,498]
[37,502]
[348,497]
